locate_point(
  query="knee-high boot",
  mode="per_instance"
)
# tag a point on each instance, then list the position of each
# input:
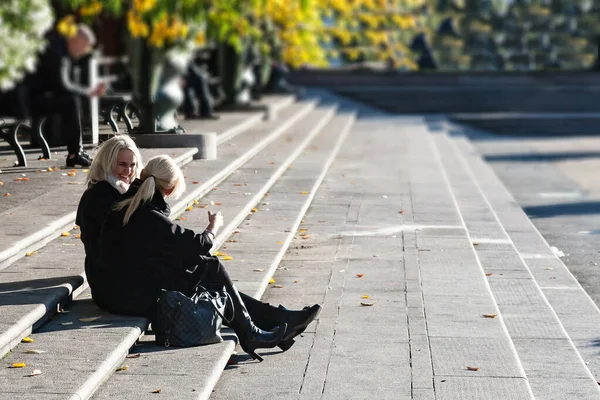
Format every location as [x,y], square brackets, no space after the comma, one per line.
[266,317]
[252,337]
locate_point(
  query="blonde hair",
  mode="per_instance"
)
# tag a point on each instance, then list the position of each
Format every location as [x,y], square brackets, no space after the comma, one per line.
[106,159]
[160,173]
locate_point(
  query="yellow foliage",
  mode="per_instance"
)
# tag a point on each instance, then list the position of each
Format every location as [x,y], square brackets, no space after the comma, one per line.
[91,10]
[67,27]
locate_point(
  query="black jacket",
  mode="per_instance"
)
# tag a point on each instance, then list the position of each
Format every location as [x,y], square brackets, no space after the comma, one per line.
[94,206]
[148,254]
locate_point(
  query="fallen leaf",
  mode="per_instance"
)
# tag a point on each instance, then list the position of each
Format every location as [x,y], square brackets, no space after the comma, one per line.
[65,234]
[30,253]
[1,183]
[226,258]
[50,169]
[303,222]
[215,188]
[190,208]
[90,319]
[27,340]
[296,281]
[157,390]
[305,192]
[196,202]
[236,231]
[232,241]
[18,365]
[254,210]
[196,182]
[364,296]
[86,170]
[306,237]
[203,206]
[359,275]
[123,368]
[237,184]
[72,174]
[35,372]
[6,194]
[66,323]
[271,281]
[366,304]
[181,219]
[271,162]
[401,212]
[490,315]
[21,179]
[472,368]
[488,273]
[136,355]
[475,244]
[278,286]
[302,230]
[217,253]
[259,270]
[217,203]
[33,351]
[78,236]
[280,242]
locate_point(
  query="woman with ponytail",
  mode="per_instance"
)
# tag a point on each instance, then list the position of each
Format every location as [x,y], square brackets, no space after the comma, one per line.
[143,251]
[117,163]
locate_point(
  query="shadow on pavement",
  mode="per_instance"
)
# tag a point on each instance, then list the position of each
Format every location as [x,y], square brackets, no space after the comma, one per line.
[552,210]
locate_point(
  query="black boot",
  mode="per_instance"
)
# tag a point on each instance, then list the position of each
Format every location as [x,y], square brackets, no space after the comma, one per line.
[266,317]
[251,337]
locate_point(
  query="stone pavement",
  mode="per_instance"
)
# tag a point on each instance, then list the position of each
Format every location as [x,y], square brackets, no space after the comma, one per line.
[434,284]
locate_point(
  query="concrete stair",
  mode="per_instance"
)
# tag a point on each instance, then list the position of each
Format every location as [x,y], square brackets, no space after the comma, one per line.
[468,250]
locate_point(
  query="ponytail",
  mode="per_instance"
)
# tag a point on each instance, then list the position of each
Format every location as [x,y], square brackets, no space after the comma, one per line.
[143,195]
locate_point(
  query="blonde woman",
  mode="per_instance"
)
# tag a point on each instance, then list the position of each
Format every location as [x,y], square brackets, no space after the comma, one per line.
[117,163]
[143,251]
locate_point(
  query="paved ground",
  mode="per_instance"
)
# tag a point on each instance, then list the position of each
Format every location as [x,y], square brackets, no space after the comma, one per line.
[555,180]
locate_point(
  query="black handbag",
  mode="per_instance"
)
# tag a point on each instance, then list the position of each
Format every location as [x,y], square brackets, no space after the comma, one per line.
[183,321]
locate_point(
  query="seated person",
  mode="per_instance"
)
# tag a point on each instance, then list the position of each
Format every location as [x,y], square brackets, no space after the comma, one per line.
[53,92]
[127,279]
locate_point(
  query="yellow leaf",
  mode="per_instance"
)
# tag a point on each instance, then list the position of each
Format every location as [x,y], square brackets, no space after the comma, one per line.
[65,234]
[72,173]
[304,192]
[86,170]
[271,281]
[31,253]
[50,169]
[190,208]
[19,365]
[472,368]
[365,296]
[303,230]
[78,236]
[90,319]
[489,315]
[27,340]
[196,202]
[254,210]
[217,253]
[227,258]
[123,368]
[280,242]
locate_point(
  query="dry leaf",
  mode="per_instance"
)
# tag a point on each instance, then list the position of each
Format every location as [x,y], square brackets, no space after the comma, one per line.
[35,372]
[232,241]
[65,234]
[271,163]
[278,286]
[90,319]
[259,270]
[202,205]
[306,237]
[18,365]
[227,258]
[6,194]
[72,174]
[302,230]
[401,212]
[20,179]
[50,169]
[490,315]
[217,203]
[157,390]
[123,368]
[1,183]
[296,281]
[359,275]
[475,244]
[78,236]
[305,192]
[196,182]
[33,351]
[30,253]
[196,202]
[280,242]
[237,231]
[366,304]
[27,340]
[472,368]
[136,355]
[190,208]
[364,296]
[488,274]
[271,281]
[254,210]
[181,219]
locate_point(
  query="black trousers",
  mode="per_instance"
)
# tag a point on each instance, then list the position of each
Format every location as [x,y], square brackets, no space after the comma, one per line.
[197,87]
[68,107]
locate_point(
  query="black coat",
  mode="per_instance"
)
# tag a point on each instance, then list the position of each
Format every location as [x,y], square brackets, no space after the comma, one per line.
[94,206]
[148,254]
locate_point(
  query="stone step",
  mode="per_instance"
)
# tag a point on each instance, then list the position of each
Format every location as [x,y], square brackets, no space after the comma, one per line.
[129,329]
[523,274]
[45,205]
[34,287]
[261,243]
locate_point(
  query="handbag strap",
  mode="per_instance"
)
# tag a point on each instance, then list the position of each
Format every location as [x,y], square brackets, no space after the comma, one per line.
[212,302]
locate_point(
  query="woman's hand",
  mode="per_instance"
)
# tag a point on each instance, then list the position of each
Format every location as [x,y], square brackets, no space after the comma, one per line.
[215,221]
